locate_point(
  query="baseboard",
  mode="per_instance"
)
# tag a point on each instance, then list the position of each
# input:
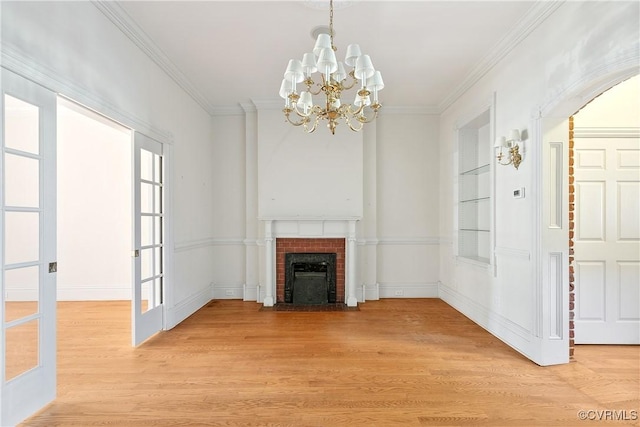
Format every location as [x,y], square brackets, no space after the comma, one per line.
[512,334]
[368,292]
[250,292]
[408,290]
[221,291]
[186,307]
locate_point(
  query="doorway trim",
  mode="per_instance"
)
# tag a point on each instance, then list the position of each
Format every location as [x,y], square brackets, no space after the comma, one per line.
[551,255]
[16,61]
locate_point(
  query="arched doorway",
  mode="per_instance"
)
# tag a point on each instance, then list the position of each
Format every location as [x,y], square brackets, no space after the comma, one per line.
[604,182]
[550,155]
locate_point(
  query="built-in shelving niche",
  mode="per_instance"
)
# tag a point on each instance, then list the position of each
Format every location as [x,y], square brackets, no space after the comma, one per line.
[474,189]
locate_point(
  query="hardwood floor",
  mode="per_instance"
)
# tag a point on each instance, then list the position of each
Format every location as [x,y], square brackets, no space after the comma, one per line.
[395,362]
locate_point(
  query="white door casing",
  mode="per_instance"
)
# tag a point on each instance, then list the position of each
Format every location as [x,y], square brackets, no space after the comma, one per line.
[28,249]
[147,304]
[550,293]
[607,240]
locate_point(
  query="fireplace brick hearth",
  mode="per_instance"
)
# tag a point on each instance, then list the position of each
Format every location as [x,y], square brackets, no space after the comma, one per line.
[310,245]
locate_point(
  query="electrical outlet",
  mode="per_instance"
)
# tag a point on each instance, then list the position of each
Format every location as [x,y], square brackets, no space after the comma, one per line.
[400,293]
[228,293]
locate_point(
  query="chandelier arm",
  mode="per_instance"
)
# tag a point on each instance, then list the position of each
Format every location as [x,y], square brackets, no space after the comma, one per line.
[363,119]
[314,110]
[315,125]
[357,112]
[301,122]
[315,93]
[354,81]
[309,83]
[299,113]
[355,129]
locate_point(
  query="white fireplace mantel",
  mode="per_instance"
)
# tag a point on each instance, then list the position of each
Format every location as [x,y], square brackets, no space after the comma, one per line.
[310,227]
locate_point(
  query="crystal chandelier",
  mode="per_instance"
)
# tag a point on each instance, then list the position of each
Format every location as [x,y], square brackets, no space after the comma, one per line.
[334,80]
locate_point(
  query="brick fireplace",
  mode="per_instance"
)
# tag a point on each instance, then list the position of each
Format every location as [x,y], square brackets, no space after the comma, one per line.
[310,235]
[310,245]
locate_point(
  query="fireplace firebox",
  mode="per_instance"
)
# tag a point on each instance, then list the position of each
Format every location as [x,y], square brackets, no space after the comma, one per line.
[310,278]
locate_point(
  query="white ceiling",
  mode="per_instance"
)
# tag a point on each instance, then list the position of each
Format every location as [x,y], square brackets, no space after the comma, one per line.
[229,52]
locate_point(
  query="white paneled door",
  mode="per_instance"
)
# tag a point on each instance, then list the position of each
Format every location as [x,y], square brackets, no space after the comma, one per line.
[28,249]
[148,234]
[607,240]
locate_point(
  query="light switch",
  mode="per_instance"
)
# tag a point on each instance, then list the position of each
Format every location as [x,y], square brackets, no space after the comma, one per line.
[518,193]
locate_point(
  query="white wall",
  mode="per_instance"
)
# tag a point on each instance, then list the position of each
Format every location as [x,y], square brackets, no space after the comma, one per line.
[74,49]
[94,207]
[307,175]
[536,78]
[229,228]
[387,175]
[407,184]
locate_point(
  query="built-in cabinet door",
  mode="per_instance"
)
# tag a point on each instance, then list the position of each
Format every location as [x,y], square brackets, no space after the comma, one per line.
[607,240]
[28,250]
[148,235]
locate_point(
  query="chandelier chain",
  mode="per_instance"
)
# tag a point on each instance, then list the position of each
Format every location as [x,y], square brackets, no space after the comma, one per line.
[331,24]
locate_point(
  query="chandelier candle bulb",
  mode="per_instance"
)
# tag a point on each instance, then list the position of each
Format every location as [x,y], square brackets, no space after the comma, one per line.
[309,64]
[353,52]
[323,42]
[341,74]
[294,71]
[334,80]
[305,101]
[364,68]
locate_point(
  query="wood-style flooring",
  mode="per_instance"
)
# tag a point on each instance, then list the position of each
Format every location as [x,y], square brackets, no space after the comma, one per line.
[395,362]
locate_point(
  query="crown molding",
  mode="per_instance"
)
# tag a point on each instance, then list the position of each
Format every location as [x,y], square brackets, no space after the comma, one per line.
[268,104]
[535,16]
[119,17]
[248,107]
[227,110]
[19,62]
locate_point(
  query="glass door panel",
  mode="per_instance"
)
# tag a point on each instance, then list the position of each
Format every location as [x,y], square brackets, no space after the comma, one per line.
[22,125]
[21,237]
[27,228]
[23,348]
[148,239]
[22,183]
[23,284]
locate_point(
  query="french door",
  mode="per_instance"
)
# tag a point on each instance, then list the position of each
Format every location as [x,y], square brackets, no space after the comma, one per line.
[148,235]
[28,249]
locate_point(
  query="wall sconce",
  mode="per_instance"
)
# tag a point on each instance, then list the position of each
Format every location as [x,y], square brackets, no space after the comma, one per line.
[513,144]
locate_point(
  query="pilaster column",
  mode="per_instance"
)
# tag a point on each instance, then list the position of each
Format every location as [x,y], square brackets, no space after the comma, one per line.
[252,225]
[270,264]
[352,301]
